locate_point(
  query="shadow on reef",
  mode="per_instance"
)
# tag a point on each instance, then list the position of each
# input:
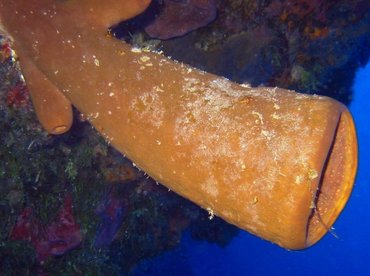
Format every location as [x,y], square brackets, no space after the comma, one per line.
[121,216]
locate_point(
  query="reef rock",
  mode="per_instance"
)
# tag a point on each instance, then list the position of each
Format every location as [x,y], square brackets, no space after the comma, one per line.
[180,17]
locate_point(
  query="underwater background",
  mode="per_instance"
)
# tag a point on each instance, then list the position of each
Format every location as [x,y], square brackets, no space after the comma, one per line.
[120,222]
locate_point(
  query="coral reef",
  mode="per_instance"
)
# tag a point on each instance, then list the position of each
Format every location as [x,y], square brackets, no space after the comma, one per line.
[57,238]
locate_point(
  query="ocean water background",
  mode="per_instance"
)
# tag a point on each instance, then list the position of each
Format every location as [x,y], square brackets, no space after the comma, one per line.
[345,253]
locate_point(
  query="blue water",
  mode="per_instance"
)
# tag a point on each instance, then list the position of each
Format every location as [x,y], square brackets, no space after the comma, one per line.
[347,254]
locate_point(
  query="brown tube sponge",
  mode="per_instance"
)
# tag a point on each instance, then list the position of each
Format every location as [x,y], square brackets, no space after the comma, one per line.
[276,163]
[53,109]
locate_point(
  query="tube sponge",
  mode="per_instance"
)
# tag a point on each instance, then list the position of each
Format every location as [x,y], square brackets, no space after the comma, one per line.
[276,163]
